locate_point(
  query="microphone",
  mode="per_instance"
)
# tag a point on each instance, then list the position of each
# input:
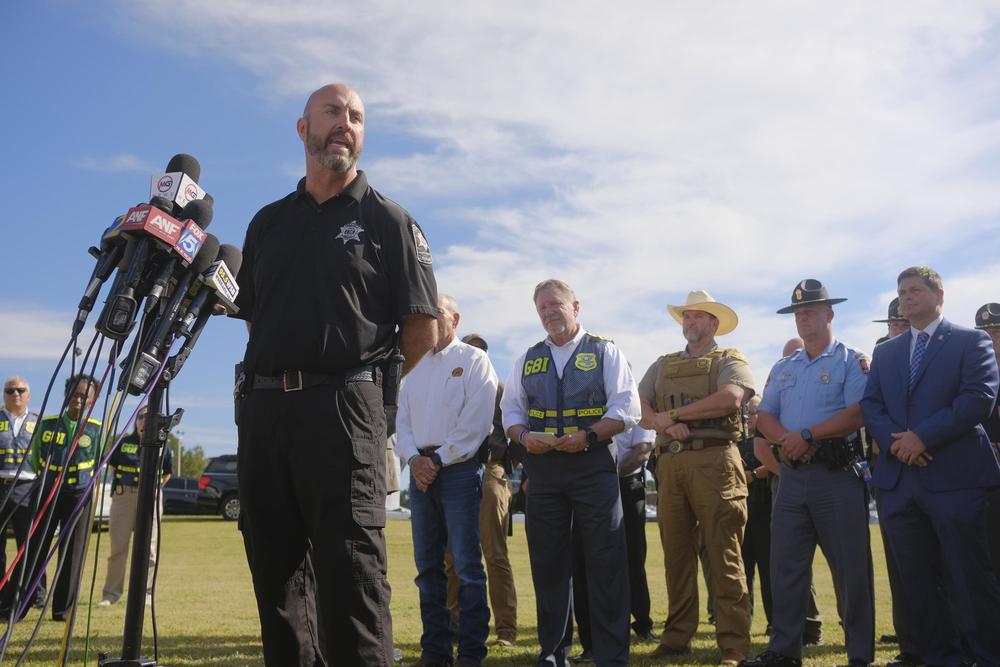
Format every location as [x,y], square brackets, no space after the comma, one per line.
[187,246]
[142,223]
[179,185]
[220,287]
[110,253]
[149,359]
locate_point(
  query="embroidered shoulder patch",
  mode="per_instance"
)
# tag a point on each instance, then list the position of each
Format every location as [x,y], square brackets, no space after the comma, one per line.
[457,372]
[420,242]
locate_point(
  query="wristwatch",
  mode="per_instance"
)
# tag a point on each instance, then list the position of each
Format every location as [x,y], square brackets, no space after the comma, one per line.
[592,437]
[672,413]
[807,435]
[436,459]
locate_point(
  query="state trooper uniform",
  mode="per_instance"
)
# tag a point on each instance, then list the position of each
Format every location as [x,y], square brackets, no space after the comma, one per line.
[50,456]
[820,500]
[988,319]
[15,479]
[575,489]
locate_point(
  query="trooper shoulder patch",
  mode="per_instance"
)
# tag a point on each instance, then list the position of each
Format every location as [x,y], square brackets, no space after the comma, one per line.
[420,242]
[457,372]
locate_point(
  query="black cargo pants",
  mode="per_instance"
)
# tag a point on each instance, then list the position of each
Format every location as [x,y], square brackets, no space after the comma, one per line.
[311,469]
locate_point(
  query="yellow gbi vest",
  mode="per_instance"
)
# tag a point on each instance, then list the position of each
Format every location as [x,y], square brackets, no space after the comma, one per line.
[51,436]
[13,446]
[573,402]
[683,380]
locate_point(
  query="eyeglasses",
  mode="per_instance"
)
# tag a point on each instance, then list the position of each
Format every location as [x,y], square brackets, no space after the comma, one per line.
[12,390]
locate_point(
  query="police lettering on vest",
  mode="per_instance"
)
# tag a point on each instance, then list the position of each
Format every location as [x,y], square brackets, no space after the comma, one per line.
[573,402]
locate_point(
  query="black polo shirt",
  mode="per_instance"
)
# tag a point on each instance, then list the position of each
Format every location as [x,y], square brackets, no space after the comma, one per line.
[325,285]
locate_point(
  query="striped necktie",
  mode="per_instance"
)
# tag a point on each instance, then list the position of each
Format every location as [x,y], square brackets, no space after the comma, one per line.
[918,356]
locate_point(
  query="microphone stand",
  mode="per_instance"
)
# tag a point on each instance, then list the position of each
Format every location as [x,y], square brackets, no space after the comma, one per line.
[153,439]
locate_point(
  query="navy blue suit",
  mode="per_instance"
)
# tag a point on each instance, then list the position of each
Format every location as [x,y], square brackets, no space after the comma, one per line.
[934,516]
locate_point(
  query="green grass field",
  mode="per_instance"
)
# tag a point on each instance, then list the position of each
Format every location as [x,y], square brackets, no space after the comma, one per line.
[206,614]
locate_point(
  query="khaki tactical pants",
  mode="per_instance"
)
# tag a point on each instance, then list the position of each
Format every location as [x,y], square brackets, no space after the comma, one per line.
[121,525]
[702,499]
[494,515]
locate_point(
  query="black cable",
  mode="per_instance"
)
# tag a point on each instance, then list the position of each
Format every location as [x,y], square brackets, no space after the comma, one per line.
[36,500]
[64,533]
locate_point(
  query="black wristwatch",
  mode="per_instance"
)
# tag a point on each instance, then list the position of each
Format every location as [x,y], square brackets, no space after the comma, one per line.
[436,459]
[592,437]
[807,435]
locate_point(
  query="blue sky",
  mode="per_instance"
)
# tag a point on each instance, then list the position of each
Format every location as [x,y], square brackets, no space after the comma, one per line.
[637,154]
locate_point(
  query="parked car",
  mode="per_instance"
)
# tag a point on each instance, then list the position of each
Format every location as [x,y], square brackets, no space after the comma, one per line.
[219,490]
[180,496]
[102,504]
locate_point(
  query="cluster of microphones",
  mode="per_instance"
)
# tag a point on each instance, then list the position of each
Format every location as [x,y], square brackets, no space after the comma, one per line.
[161,254]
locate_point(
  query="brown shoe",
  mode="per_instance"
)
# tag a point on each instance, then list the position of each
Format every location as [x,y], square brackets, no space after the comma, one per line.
[664,651]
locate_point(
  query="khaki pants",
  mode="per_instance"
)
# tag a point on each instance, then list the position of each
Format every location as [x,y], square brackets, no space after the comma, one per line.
[494,515]
[121,525]
[702,499]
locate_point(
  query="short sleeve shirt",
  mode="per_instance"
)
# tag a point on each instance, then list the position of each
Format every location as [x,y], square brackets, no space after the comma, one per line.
[733,370]
[325,285]
[803,392]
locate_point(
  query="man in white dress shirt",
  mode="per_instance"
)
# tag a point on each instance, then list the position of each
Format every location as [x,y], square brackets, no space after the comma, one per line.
[565,399]
[445,412]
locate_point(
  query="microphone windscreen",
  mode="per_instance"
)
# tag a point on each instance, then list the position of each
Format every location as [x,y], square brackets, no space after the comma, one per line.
[198,210]
[185,163]
[232,256]
[206,255]
[163,204]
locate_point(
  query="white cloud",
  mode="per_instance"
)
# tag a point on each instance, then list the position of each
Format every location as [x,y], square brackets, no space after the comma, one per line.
[33,333]
[115,164]
[655,148]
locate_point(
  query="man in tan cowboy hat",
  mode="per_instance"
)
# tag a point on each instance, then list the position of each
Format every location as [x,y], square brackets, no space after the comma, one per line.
[693,399]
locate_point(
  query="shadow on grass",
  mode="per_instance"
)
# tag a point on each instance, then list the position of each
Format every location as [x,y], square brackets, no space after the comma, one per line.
[176,650]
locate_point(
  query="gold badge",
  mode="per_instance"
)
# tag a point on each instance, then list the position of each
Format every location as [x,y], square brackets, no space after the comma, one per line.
[457,372]
[798,295]
[586,361]
[824,378]
[85,441]
[29,427]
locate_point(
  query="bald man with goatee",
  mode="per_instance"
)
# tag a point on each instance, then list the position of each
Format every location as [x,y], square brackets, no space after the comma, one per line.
[333,275]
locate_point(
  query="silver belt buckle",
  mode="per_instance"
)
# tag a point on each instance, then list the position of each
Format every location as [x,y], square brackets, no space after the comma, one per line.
[675,446]
[293,374]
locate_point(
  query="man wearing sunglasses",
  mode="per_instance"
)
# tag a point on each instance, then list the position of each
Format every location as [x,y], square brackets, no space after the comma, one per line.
[17,424]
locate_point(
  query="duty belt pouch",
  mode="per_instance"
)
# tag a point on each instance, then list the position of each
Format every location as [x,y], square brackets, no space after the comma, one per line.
[392,377]
[483,453]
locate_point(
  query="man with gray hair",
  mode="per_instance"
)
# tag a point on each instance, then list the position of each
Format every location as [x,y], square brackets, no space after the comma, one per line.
[17,424]
[446,410]
[564,400]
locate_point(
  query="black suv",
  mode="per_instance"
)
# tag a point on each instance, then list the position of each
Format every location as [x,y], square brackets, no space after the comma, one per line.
[219,491]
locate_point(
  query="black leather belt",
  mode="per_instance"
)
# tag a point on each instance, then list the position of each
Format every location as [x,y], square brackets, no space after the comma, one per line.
[299,380]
